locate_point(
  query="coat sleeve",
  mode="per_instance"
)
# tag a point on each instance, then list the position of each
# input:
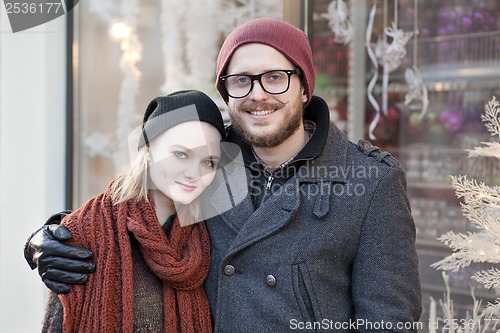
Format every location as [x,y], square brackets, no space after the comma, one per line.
[385,279]
[53,320]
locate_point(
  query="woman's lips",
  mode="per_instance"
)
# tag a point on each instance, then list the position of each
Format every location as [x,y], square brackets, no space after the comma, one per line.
[186,187]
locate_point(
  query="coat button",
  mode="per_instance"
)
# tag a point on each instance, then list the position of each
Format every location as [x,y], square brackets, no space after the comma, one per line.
[229,270]
[271,281]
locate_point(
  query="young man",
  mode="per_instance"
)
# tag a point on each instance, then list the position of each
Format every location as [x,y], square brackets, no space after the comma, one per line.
[324,240]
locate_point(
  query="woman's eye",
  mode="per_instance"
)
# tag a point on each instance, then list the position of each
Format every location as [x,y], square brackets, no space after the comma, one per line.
[180,154]
[209,163]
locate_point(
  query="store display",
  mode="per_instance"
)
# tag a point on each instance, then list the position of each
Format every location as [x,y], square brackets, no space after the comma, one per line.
[433,120]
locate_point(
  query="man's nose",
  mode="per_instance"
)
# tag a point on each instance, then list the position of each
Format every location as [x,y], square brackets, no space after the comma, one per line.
[258,93]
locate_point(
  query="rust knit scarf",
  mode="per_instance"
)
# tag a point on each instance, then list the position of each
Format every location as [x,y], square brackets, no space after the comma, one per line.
[106,302]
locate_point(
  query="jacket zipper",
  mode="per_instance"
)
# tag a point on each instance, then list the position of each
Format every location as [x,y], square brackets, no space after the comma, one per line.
[269,182]
[270,178]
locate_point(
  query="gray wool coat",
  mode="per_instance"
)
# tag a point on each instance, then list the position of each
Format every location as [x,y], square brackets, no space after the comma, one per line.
[331,249]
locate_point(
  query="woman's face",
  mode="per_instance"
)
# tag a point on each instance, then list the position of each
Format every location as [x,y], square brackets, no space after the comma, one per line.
[184,160]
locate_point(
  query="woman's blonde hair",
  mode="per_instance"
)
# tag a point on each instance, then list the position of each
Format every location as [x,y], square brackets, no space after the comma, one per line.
[134,184]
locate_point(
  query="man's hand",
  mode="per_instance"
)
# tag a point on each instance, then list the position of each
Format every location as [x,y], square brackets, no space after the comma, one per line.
[58,264]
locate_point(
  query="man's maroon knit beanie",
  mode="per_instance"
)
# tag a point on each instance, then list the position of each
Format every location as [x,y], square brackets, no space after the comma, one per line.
[284,37]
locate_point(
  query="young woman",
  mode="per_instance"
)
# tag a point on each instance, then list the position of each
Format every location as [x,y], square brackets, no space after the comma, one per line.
[151,254]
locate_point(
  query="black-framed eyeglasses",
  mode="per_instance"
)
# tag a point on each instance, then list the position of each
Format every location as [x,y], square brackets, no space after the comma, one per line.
[273,82]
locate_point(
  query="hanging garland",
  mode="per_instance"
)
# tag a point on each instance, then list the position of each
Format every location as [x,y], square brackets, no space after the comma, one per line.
[131,49]
[233,13]
[373,80]
[123,31]
[338,21]
[417,96]
[173,34]
[388,55]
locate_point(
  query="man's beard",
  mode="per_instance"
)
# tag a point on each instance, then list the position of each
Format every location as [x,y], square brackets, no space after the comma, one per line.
[268,140]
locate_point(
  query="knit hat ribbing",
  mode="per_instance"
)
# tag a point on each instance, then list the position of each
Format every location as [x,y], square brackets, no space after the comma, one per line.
[176,108]
[284,37]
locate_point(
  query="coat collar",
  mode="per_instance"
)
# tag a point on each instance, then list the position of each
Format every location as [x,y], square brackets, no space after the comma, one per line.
[331,163]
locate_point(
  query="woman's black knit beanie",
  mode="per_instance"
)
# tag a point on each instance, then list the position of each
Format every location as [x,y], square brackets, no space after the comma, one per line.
[164,112]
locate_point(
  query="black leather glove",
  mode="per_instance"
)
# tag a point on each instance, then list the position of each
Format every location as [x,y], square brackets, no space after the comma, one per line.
[58,264]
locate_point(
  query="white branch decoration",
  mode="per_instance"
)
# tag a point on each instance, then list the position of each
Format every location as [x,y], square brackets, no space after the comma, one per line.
[481,207]
[490,149]
[477,323]
[491,117]
[488,278]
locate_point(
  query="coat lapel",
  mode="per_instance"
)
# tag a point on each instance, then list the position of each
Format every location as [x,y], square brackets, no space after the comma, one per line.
[272,215]
[235,218]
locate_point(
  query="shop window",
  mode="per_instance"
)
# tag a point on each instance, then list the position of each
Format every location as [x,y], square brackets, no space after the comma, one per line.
[458,46]
[125,56]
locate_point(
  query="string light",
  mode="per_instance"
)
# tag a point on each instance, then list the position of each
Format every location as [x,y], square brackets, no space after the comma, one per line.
[120,30]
